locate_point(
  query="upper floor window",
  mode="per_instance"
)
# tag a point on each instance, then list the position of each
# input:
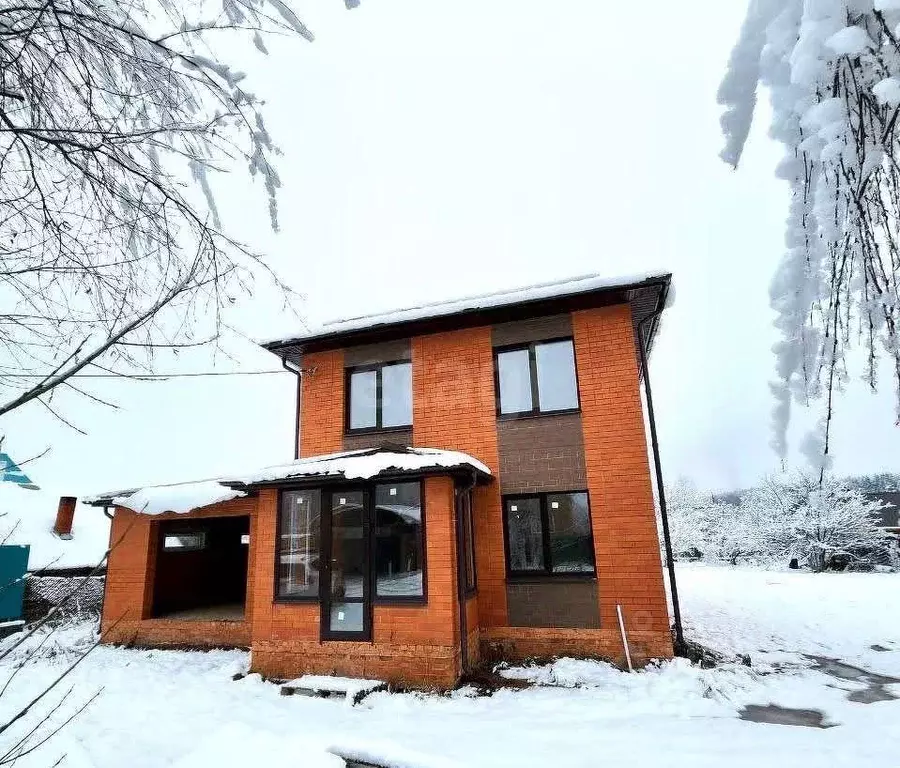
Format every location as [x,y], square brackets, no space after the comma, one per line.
[536,378]
[379,396]
[549,534]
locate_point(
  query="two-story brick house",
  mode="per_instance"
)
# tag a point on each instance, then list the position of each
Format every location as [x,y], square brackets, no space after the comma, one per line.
[473,483]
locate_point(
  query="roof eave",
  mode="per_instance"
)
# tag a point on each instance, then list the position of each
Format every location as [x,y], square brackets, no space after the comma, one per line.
[614,294]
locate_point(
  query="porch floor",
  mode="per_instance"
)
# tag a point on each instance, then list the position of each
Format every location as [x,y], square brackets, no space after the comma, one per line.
[224,612]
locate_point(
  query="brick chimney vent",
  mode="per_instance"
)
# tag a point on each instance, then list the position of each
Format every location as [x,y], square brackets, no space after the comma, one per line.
[65,514]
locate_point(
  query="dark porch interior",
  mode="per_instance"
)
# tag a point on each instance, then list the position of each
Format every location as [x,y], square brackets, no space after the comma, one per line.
[201,569]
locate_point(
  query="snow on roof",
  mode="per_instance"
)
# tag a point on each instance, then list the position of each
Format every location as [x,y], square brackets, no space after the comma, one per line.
[351,465]
[555,289]
[179,498]
[27,517]
[364,464]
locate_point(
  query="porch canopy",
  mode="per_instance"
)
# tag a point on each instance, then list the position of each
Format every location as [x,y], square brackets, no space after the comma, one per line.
[386,461]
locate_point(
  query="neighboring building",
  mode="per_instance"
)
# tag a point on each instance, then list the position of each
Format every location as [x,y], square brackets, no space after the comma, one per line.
[888,517]
[475,485]
[62,550]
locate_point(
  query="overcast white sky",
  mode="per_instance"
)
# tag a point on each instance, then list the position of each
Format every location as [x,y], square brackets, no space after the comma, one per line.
[436,148]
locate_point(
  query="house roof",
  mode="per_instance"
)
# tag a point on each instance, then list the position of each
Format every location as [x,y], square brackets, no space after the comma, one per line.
[646,293]
[28,516]
[385,461]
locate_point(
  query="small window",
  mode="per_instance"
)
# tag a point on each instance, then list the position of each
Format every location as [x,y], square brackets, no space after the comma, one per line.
[298,544]
[185,542]
[549,534]
[399,541]
[468,545]
[379,397]
[537,378]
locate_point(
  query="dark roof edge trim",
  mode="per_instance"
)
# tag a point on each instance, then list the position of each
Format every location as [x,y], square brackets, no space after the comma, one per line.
[399,329]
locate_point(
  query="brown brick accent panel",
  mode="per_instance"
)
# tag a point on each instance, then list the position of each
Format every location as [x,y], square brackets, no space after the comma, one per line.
[542,454]
[570,604]
[623,515]
[521,643]
[322,404]
[386,352]
[129,584]
[414,645]
[375,439]
[536,329]
[453,408]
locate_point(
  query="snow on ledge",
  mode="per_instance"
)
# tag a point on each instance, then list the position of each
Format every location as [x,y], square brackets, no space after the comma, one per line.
[559,288]
[180,498]
[363,464]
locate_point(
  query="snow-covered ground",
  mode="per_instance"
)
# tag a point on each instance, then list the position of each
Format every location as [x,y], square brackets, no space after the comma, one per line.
[166,708]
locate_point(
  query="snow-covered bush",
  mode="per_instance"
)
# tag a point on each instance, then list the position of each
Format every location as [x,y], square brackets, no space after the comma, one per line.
[823,525]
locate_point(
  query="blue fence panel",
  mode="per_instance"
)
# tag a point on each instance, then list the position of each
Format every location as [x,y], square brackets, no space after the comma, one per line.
[13,565]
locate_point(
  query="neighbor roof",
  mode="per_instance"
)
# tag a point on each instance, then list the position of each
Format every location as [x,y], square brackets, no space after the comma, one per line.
[385,461]
[646,293]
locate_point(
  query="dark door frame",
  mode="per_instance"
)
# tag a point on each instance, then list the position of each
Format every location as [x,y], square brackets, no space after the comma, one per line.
[325,598]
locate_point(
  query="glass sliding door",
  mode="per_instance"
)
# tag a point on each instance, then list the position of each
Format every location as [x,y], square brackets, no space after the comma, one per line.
[347,613]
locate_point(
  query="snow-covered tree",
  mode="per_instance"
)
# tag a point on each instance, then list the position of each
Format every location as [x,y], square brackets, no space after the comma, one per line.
[114,119]
[818,522]
[832,69]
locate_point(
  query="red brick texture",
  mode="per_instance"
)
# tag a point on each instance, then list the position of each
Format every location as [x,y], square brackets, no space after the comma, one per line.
[412,645]
[454,408]
[322,404]
[626,545]
[130,571]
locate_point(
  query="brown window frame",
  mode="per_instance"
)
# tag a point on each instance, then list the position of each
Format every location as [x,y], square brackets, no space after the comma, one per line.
[546,572]
[468,544]
[536,410]
[324,529]
[379,427]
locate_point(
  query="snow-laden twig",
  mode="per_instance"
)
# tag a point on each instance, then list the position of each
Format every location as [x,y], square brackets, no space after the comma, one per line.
[832,69]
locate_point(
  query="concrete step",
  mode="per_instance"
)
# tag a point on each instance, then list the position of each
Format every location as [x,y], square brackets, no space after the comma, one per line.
[350,689]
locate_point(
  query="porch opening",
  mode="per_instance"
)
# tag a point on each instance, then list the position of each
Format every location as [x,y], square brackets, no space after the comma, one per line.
[201,569]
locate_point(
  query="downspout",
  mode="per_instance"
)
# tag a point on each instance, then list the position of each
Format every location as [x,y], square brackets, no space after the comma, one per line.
[667,540]
[298,372]
[461,578]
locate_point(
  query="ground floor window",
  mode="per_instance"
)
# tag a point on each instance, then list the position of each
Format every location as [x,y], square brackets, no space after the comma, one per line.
[548,534]
[298,544]
[468,541]
[355,544]
[399,541]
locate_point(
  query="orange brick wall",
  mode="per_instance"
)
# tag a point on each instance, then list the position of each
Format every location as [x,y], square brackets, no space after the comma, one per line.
[454,408]
[629,569]
[322,403]
[412,644]
[129,584]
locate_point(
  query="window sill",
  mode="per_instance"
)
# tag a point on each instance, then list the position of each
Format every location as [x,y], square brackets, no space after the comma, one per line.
[400,601]
[297,599]
[377,430]
[536,415]
[550,578]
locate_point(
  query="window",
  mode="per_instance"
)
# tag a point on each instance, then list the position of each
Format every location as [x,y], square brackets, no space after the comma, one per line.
[536,378]
[298,544]
[379,396]
[549,534]
[399,550]
[468,543]
[185,542]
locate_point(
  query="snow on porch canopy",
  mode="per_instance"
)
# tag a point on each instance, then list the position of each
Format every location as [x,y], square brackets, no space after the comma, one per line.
[388,460]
